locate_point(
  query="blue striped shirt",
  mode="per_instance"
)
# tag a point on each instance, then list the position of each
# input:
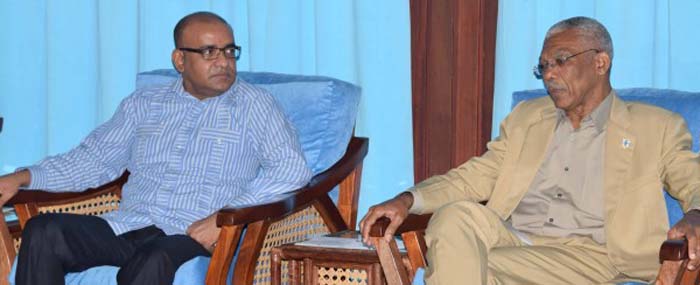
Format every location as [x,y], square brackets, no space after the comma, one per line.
[188,158]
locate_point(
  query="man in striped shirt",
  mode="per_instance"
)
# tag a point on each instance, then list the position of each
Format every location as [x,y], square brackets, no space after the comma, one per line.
[207,141]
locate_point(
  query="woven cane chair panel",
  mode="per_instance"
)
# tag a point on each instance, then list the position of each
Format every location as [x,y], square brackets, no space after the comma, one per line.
[341,276]
[296,227]
[94,206]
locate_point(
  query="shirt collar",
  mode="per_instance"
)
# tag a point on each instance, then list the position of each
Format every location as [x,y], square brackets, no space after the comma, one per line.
[178,89]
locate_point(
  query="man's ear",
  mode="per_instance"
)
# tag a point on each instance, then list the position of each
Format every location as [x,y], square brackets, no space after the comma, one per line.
[178,59]
[602,63]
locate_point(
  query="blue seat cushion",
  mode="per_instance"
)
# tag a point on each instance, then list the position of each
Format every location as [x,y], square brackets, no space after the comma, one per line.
[193,271]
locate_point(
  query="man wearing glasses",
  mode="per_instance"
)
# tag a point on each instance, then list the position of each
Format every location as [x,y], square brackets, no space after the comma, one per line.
[207,141]
[572,183]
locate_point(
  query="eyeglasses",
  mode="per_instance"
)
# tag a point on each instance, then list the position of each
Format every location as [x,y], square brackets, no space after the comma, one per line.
[211,53]
[541,68]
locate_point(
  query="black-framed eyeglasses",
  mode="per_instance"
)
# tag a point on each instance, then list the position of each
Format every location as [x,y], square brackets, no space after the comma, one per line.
[212,52]
[541,68]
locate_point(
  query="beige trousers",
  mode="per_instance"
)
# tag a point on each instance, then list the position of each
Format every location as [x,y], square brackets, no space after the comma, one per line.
[469,244]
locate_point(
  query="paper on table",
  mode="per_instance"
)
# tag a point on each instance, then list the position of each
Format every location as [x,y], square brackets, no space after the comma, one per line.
[343,242]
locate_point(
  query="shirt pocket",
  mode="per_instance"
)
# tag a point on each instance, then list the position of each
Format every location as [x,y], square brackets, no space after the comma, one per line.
[219,147]
[148,145]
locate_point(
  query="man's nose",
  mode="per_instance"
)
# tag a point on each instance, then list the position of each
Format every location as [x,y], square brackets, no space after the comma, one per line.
[548,73]
[222,60]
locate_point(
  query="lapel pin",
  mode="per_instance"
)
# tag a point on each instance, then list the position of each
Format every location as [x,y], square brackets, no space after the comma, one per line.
[626,143]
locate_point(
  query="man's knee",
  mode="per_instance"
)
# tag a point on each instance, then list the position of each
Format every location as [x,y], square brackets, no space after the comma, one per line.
[456,215]
[42,227]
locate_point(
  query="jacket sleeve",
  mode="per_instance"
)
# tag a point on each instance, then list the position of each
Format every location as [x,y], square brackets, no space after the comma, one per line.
[680,167]
[474,180]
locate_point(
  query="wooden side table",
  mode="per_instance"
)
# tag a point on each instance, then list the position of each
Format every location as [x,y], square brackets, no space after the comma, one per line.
[324,265]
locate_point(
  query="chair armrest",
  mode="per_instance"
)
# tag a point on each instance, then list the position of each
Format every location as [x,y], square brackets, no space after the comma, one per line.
[412,223]
[299,199]
[673,250]
[53,198]
[673,256]
[257,219]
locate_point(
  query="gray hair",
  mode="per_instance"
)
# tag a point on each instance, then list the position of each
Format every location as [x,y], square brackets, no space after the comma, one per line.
[589,27]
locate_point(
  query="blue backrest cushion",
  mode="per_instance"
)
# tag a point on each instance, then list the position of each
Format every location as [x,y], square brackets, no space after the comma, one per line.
[684,103]
[322,109]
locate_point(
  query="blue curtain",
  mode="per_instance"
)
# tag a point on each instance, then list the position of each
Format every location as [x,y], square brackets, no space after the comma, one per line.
[67,64]
[655,43]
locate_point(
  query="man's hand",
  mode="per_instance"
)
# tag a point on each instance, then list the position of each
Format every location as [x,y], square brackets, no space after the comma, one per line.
[10,183]
[395,209]
[689,227]
[205,232]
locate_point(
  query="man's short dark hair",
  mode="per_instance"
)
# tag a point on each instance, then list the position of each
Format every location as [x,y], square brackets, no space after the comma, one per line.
[202,16]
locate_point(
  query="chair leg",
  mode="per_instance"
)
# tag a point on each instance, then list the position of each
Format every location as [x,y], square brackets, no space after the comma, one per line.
[223,255]
[7,251]
[390,258]
[349,197]
[275,267]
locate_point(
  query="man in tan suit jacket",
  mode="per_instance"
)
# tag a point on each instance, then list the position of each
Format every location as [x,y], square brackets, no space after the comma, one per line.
[573,183]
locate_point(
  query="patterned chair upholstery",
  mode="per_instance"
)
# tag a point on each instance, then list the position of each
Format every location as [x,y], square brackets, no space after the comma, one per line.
[323,111]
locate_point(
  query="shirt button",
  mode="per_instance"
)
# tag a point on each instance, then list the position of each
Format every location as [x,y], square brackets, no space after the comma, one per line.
[551,220]
[218,141]
[566,168]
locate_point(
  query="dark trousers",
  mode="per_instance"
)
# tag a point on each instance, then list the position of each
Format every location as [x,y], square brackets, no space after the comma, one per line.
[55,244]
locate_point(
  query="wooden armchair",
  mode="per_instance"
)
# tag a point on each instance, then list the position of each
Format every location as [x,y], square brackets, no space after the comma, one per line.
[673,254]
[307,211]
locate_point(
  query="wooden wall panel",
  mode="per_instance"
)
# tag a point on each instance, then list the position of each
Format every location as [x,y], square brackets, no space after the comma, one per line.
[452,52]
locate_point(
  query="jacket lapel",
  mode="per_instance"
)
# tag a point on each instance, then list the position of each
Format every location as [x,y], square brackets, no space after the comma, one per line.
[619,148]
[532,153]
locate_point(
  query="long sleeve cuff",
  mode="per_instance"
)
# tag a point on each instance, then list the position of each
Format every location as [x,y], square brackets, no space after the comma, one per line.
[417,207]
[38,176]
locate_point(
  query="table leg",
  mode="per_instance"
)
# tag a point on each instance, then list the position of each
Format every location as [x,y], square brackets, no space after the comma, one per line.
[375,276]
[275,267]
[294,272]
[310,277]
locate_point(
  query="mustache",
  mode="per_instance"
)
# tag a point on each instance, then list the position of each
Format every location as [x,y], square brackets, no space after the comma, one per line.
[554,86]
[222,72]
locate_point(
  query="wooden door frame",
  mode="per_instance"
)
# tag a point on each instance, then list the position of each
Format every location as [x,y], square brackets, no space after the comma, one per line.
[453,45]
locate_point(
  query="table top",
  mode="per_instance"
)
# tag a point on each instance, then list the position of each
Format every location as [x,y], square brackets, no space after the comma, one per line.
[332,254]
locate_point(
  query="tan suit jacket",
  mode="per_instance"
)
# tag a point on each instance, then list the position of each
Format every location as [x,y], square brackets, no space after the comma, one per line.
[646,149]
